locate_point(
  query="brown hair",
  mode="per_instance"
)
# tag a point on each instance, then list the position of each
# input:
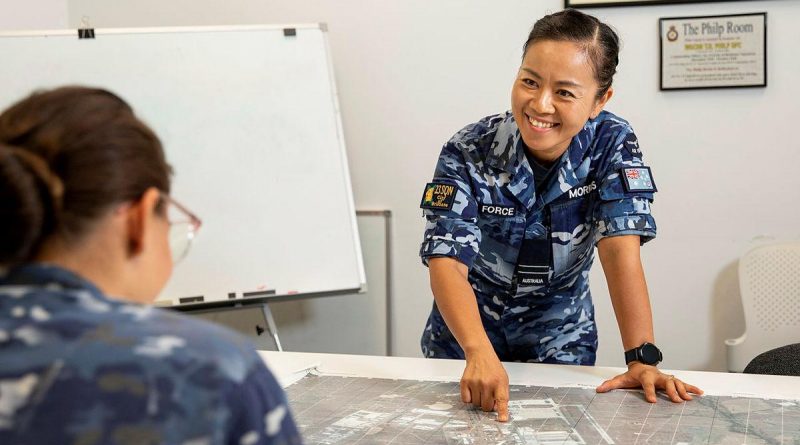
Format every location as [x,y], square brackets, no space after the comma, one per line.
[66,157]
[599,41]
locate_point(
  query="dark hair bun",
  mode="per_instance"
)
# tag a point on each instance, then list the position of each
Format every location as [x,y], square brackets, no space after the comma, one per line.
[27,206]
[67,157]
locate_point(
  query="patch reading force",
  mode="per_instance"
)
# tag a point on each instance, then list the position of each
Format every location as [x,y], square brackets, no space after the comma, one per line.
[438,196]
[498,210]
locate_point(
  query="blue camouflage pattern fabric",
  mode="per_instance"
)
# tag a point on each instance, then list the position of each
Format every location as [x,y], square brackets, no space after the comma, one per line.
[583,203]
[79,368]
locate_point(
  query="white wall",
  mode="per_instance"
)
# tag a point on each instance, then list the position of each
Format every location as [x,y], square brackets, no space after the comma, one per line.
[33,14]
[412,72]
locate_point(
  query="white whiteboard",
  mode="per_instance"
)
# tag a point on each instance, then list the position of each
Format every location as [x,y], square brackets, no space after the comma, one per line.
[315,324]
[250,122]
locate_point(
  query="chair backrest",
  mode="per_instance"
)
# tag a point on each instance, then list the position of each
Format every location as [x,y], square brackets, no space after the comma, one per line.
[769,281]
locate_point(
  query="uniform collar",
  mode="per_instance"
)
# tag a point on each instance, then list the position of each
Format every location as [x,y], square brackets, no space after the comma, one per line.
[508,154]
[573,167]
[504,153]
[38,274]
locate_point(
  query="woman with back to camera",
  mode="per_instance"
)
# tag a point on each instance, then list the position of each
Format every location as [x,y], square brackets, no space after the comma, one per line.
[517,204]
[86,228]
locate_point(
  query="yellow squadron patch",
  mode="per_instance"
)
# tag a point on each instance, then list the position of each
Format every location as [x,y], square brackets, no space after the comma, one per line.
[438,196]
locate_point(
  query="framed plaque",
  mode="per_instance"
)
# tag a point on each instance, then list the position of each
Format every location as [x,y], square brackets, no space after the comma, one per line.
[604,3]
[720,51]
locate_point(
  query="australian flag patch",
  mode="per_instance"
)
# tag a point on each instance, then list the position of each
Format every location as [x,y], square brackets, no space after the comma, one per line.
[638,179]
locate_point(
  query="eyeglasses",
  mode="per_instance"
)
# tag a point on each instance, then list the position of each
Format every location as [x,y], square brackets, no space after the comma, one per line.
[183,226]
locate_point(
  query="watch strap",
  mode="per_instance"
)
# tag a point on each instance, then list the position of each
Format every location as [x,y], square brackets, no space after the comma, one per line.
[631,355]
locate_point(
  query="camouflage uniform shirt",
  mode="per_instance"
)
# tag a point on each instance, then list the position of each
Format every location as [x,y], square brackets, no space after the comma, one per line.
[483,210]
[77,367]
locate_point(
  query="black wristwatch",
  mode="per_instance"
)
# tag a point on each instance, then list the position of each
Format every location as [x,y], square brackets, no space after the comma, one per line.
[647,353]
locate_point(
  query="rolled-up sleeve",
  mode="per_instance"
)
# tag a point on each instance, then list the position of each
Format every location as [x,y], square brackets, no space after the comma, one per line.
[619,211]
[452,232]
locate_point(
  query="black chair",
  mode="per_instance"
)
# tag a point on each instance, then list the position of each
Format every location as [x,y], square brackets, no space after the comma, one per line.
[779,361]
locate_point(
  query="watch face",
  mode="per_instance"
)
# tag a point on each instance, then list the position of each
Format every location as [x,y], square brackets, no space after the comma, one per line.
[650,354]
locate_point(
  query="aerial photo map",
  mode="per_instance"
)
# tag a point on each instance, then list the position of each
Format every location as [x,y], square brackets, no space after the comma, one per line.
[359,410]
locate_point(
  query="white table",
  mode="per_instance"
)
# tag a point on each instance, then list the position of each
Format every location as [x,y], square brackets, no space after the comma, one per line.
[290,366]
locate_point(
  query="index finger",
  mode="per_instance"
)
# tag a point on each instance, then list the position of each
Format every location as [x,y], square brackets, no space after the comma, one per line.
[501,403]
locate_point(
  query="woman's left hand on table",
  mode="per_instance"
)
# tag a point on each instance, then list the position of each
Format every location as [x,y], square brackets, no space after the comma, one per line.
[651,379]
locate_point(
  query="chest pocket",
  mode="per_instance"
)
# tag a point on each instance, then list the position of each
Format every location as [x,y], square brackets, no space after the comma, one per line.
[503,231]
[501,238]
[570,232]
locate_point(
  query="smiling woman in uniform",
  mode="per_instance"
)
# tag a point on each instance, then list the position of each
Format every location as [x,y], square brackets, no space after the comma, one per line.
[517,204]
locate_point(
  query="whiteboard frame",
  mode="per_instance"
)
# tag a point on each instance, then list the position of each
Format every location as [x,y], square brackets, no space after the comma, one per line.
[253,298]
